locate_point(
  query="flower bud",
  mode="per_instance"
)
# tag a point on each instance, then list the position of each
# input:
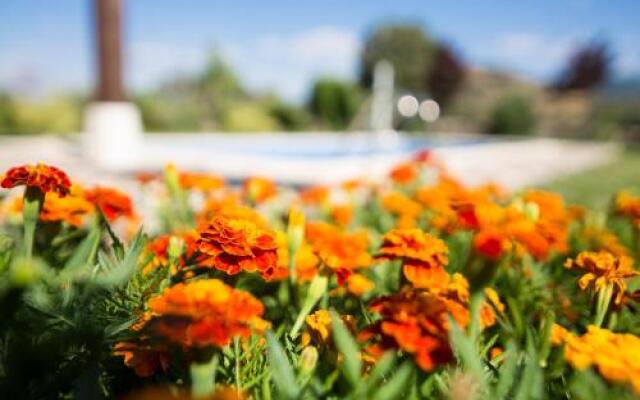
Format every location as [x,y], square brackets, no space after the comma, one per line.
[308,360]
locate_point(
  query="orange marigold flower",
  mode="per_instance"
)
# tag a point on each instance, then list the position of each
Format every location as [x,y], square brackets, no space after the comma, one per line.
[112,202]
[341,251]
[228,205]
[159,248]
[144,359]
[200,181]
[45,177]
[414,246]
[629,206]
[235,245]
[259,189]
[600,238]
[70,209]
[314,195]
[404,173]
[205,313]
[306,263]
[342,214]
[415,321]
[358,285]
[603,269]
[424,256]
[400,204]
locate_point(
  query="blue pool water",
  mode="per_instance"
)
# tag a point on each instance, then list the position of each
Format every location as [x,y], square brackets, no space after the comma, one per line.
[320,145]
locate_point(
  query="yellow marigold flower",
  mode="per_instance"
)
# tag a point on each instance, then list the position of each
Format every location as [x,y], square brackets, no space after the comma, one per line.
[603,269]
[614,355]
[204,313]
[319,327]
[358,284]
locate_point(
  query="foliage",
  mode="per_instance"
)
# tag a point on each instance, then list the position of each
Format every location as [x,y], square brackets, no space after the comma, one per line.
[334,103]
[59,114]
[512,114]
[406,47]
[414,287]
[588,67]
[446,74]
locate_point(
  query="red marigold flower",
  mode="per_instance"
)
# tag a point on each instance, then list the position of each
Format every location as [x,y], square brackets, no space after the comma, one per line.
[205,313]
[45,177]
[490,243]
[415,321]
[239,244]
[113,203]
[144,359]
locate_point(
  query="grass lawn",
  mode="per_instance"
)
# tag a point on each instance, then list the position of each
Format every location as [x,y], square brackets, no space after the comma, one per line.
[595,187]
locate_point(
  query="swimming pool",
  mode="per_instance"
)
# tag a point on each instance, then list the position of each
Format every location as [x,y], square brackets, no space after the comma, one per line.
[307,145]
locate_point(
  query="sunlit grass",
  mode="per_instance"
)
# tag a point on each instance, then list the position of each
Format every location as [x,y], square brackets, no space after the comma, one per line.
[594,187]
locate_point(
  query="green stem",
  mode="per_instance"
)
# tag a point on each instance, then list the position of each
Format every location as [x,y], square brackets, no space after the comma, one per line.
[203,378]
[236,350]
[32,204]
[602,305]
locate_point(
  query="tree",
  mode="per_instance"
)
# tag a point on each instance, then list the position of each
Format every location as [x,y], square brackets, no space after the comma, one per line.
[587,68]
[512,114]
[334,102]
[406,47]
[446,74]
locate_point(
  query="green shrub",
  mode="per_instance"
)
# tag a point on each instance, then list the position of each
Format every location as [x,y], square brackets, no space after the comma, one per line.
[512,114]
[334,103]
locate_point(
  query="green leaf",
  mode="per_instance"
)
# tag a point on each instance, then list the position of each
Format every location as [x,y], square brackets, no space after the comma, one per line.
[382,368]
[351,364]
[507,371]
[85,253]
[122,271]
[281,369]
[397,384]
[466,350]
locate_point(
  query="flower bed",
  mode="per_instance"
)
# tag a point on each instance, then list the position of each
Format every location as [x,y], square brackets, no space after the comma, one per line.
[416,287]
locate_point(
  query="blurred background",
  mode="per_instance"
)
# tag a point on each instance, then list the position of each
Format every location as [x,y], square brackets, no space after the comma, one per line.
[550,68]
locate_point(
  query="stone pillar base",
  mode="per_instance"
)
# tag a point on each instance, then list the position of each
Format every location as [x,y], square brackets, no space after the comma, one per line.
[112,134]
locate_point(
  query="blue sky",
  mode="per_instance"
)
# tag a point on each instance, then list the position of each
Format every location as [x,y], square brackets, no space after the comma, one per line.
[282,45]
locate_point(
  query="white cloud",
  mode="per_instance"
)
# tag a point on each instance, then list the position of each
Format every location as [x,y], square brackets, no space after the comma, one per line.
[284,64]
[288,64]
